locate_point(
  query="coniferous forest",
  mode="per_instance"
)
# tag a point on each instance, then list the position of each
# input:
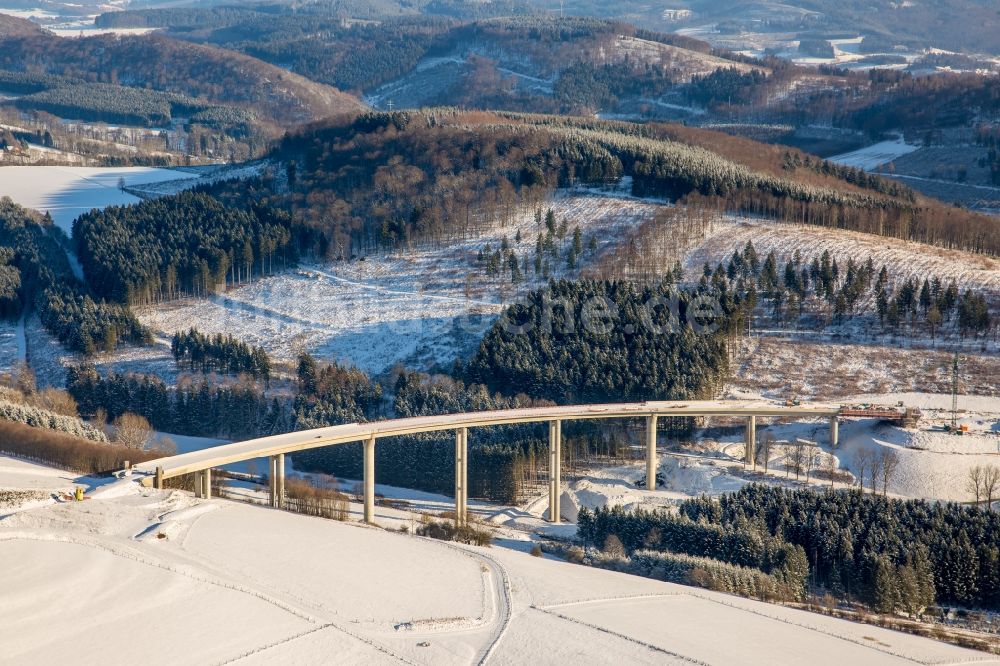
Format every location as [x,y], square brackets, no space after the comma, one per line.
[35,275]
[186,244]
[893,555]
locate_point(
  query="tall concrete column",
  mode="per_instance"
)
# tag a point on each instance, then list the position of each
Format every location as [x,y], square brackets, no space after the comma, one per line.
[272,481]
[558,471]
[206,483]
[555,471]
[158,479]
[834,431]
[651,452]
[552,467]
[465,475]
[751,439]
[279,481]
[369,481]
[461,475]
[198,485]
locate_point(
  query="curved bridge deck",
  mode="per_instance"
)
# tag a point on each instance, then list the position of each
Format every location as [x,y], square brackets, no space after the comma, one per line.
[277,446]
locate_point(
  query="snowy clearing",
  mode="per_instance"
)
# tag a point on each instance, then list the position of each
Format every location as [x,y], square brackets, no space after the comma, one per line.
[903,258]
[423,305]
[213,581]
[876,155]
[68,192]
[784,367]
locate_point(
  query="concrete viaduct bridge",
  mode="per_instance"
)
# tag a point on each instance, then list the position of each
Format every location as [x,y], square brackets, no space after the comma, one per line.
[200,463]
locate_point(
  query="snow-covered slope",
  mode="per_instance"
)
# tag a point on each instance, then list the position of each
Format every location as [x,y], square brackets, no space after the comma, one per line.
[159,577]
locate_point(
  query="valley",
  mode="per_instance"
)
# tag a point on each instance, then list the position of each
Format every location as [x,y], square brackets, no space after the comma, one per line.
[492,332]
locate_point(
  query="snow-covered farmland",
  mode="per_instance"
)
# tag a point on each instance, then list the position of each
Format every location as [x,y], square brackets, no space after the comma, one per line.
[213,581]
[421,305]
[67,192]
[876,155]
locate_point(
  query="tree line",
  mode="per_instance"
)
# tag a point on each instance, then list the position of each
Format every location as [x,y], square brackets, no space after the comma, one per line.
[893,554]
[661,531]
[391,179]
[832,293]
[222,353]
[188,243]
[598,341]
[195,406]
[35,275]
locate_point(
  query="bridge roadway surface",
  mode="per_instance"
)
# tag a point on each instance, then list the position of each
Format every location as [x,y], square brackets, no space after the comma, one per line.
[196,461]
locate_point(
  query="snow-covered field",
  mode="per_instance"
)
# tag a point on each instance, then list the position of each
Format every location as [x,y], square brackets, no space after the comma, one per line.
[876,155]
[67,192]
[421,305]
[134,571]
[91,30]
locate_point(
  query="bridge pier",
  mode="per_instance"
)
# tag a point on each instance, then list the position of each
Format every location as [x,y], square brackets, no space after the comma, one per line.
[834,431]
[751,439]
[206,483]
[651,452]
[555,470]
[369,481]
[461,476]
[158,479]
[276,480]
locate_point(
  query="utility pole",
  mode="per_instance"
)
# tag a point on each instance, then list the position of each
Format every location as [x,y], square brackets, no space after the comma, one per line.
[954,392]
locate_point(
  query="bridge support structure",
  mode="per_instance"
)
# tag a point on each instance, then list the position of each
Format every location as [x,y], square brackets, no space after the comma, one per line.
[276,480]
[461,476]
[834,431]
[203,484]
[555,470]
[369,481]
[750,440]
[651,452]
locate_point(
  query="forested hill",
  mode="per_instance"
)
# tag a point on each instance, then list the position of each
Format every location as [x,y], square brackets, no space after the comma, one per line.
[381,179]
[173,66]
[11,26]
[515,61]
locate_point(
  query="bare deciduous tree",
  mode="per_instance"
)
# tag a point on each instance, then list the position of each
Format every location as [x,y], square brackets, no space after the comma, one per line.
[810,458]
[132,430]
[58,401]
[991,481]
[613,546]
[876,472]
[862,461]
[889,461]
[831,467]
[974,482]
[798,458]
[763,453]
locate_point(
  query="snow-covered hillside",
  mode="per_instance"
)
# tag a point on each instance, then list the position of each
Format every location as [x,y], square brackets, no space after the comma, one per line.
[164,578]
[903,258]
[418,305]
